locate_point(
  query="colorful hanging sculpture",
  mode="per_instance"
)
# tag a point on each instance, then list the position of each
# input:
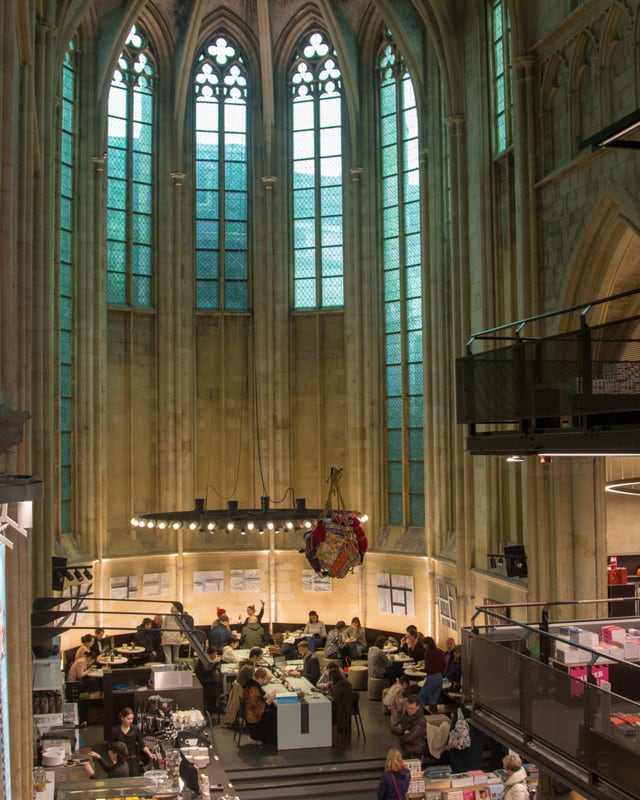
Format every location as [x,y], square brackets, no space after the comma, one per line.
[337,542]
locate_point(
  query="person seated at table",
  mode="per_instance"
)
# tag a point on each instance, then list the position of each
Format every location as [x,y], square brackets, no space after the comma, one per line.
[247,667]
[453,670]
[434,667]
[86,646]
[220,632]
[315,631]
[78,673]
[324,681]
[259,708]
[355,641]
[229,655]
[310,664]
[411,728]
[252,634]
[448,650]
[342,704]
[116,765]
[98,644]
[335,640]
[145,638]
[251,612]
[412,645]
[379,663]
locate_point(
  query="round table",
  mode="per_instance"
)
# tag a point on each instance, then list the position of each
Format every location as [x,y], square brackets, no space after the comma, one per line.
[126,650]
[117,661]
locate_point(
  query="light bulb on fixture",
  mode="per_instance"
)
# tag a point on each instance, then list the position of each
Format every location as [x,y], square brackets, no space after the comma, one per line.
[251,526]
[515,459]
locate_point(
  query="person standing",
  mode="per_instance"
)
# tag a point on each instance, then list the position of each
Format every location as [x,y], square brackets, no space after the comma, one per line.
[220,632]
[251,612]
[515,785]
[171,639]
[130,734]
[395,779]
[145,638]
[252,634]
[434,667]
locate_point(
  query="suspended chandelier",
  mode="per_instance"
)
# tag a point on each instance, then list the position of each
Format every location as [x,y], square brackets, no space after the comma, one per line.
[232,518]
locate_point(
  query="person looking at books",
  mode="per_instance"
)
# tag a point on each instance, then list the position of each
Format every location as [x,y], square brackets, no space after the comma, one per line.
[395,779]
[515,785]
[411,728]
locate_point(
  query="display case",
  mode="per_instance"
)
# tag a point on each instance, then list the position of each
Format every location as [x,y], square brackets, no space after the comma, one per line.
[47,701]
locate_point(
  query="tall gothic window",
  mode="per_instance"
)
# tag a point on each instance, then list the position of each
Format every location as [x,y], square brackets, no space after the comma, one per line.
[402,248]
[318,242]
[67,133]
[500,28]
[222,226]
[130,176]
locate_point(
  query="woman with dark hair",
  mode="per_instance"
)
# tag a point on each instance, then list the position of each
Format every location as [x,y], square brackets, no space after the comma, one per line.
[130,734]
[355,638]
[394,782]
[434,667]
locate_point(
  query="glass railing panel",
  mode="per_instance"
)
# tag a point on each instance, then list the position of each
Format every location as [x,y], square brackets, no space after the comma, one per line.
[496,679]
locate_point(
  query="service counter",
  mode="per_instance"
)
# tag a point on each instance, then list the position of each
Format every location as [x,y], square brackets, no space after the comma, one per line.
[130,687]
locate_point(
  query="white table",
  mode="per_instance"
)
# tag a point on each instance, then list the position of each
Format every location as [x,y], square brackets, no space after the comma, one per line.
[303,723]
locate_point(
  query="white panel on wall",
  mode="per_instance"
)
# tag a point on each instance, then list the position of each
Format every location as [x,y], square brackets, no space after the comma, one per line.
[124,587]
[312,582]
[208,582]
[395,594]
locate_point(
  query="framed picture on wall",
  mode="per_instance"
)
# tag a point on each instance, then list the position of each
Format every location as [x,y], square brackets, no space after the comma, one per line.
[395,594]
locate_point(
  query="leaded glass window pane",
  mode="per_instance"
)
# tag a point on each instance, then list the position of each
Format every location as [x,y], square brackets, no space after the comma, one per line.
[402,250]
[315,84]
[130,175]
[500,61]
[221,177]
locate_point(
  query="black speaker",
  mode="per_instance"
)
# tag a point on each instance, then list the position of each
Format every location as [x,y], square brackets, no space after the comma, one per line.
[516,561]
[58,566]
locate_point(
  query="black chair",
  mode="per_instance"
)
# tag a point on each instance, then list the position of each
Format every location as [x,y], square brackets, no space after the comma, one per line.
[240,724]
[357,718]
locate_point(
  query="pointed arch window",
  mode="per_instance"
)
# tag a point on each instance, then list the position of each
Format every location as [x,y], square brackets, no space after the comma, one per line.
[221,172]
[500,57]
[130,175]
[402,268]
[315,85]
[66,236]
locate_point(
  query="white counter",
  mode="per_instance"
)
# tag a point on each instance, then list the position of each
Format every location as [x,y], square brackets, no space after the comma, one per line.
[302,723]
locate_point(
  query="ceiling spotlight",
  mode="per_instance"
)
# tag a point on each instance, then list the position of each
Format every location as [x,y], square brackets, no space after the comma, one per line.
[88,574]
[515,459]
[270,526]
[211,526]
[545,459]
[68,575]
[193,525]
[251,526]
[176,525]
[77,575]
[230,525]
